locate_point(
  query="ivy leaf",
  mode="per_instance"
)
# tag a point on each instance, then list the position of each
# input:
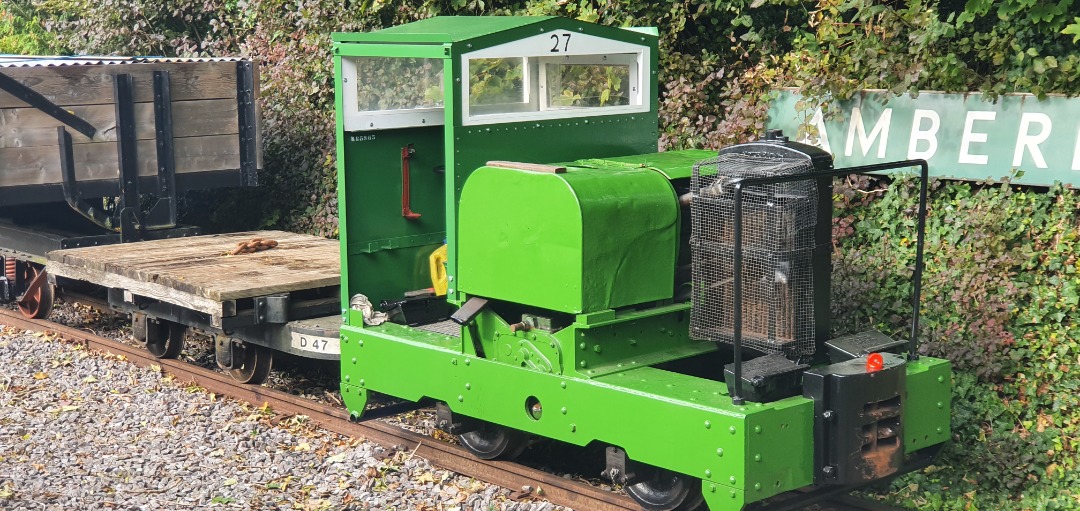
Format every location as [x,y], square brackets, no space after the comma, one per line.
[1073,30]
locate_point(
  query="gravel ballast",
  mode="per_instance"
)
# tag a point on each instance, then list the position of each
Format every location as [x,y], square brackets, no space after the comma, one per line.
[81,430]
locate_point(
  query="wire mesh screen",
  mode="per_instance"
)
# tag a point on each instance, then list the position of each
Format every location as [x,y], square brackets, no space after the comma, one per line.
[778,242]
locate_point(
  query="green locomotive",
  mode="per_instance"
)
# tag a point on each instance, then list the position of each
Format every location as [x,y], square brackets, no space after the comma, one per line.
[548,273]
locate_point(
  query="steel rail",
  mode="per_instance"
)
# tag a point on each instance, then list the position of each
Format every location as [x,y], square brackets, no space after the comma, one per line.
[555,489]
[848,502]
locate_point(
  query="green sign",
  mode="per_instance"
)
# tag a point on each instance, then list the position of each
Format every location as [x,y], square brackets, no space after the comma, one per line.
[962,136]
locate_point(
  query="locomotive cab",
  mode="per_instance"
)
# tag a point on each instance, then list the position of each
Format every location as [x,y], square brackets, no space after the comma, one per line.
[420,106]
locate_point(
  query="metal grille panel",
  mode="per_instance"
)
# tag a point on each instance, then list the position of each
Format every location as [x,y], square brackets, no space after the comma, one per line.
[778,242]
[447,327]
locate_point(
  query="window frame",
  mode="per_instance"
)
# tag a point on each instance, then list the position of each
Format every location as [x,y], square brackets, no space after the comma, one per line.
[373,120]
[538,51]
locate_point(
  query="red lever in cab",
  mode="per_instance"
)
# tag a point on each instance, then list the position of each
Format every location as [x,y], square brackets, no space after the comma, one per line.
[406,211]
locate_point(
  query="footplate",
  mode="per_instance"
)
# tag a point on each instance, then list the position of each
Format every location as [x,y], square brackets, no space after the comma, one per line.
[858,419]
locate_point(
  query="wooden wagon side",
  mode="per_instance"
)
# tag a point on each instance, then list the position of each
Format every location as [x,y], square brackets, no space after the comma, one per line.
[211,130]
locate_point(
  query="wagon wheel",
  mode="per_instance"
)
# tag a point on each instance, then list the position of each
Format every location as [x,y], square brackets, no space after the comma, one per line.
[37,301]
[493,441]
[250,363]
[668,491]
[165,339]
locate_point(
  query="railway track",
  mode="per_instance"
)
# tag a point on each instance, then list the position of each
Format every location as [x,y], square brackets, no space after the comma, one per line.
[555,489]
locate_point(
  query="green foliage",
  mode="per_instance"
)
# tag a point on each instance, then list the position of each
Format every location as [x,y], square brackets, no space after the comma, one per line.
[1000,286]
[496,81]
[1073,29]
[588,85]
[21,32]
[146,27]
[397,83]
[992,46]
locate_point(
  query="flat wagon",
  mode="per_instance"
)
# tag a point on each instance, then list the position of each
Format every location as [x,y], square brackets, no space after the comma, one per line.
[94,154]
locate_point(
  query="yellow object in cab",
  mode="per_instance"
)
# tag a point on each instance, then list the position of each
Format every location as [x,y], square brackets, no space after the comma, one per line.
[437,262]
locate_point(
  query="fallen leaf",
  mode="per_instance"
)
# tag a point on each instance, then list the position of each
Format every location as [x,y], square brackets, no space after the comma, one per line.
[90,379]
[337,458]
[40,376]
[229,482]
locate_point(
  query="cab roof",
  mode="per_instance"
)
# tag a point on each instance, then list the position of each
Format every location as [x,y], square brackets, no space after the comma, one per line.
[455,29]
[443,29]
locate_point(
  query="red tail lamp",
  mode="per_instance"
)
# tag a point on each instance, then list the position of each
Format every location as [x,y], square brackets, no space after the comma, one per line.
[874,362]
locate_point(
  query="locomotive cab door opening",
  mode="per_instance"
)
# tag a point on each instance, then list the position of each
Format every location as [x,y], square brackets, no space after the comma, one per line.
[393,117]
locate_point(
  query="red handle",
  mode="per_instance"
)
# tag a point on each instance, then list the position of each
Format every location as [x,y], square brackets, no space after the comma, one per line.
[406,211]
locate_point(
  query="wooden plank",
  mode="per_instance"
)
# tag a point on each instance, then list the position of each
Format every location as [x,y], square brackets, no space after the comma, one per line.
[93,84]
[202,266]
[41,165]
[148,289]
[29,127]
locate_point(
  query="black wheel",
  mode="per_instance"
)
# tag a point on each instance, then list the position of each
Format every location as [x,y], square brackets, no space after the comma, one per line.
[37,301]
[493,441]
[250,363]
[668,491]
[165,339]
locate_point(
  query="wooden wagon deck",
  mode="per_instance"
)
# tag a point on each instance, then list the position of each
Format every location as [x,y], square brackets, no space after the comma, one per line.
[199,272]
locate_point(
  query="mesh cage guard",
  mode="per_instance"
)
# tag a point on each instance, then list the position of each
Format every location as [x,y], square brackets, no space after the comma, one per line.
[779,222]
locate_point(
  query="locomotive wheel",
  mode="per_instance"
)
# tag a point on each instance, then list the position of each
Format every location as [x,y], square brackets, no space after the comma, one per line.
[165,339]
[493,441]
[668,491]
[37,301]
[250,363]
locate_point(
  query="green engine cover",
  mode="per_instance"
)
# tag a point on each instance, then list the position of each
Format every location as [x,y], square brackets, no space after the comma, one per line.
[576,242]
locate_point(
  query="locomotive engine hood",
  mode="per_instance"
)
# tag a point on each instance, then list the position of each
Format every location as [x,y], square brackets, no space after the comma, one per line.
[574,240]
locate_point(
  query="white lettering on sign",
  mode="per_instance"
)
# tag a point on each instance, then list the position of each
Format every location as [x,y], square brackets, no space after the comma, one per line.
[962,136]
[972,137]
[1025,140]
[823,136]
[918,134]
[881,128]
[1076,152]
